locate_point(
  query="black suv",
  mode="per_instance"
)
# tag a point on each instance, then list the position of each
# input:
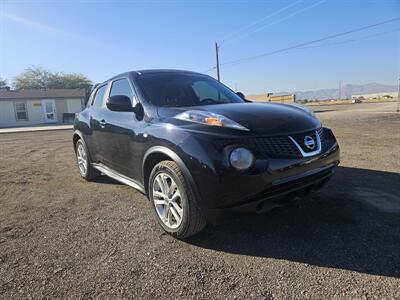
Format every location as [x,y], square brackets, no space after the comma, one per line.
[193,146]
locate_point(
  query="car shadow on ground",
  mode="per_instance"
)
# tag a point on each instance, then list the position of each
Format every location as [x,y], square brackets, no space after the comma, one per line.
[343,226]
[107,180]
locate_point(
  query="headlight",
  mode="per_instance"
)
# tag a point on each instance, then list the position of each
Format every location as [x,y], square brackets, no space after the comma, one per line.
[208,118]
[241,159]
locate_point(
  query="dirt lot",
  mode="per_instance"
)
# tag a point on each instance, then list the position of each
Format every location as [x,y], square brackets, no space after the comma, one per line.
[62,237]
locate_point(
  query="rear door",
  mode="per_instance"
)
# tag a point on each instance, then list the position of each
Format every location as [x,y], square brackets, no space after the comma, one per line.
[97,124]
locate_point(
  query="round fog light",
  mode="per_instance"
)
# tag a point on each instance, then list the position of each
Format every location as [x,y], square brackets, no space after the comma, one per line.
[241,159]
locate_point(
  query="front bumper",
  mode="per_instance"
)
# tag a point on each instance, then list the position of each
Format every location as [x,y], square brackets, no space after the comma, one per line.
[222,187]
[279,194]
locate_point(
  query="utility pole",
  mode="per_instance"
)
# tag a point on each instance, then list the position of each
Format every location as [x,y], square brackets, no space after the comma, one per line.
[398,98]
[217,57]
[340,89]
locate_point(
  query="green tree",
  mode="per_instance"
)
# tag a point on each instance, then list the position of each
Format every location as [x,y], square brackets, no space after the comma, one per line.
[3,84]
[69,81]
[39,78]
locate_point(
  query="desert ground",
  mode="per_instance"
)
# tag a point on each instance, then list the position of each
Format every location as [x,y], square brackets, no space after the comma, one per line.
[62,237]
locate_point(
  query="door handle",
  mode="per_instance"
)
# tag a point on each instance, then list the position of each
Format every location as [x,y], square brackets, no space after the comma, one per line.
[103,123]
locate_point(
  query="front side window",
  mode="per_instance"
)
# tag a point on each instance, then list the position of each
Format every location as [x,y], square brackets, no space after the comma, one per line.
[121,87]
[20,111]
[177,90]
[99,98]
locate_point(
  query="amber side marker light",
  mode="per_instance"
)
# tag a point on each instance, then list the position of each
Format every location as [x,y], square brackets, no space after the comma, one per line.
[213,121]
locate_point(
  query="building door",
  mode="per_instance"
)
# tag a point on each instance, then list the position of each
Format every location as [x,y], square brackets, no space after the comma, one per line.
[49,111]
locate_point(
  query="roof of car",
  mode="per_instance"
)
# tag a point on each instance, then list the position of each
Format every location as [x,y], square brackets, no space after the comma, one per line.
[148,71]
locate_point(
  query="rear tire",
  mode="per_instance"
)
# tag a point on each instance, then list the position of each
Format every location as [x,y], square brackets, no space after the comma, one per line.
[174,202]
[84,163]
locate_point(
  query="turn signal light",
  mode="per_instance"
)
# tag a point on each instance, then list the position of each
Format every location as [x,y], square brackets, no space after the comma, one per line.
[213,121]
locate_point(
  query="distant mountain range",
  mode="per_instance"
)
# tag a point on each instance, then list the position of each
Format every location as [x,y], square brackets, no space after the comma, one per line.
[347,91]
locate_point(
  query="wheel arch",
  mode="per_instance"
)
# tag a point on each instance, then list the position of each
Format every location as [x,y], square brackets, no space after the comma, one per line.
[159,153]
[76,136]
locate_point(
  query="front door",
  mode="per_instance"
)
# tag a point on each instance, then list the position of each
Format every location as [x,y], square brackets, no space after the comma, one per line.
[49,111]
[121,149]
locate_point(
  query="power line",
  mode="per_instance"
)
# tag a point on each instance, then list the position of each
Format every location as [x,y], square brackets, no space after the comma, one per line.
[243,60]
[350,40]
[335,43]
[210,69]
[280,20]
[229,36]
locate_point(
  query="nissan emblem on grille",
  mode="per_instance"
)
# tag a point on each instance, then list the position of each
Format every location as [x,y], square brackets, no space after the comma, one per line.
[309,142]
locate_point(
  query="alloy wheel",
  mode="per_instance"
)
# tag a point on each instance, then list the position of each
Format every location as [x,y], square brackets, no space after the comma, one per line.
[81,158]
[167,200]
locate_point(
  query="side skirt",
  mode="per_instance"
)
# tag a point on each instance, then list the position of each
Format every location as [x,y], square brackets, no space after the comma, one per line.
[119,177]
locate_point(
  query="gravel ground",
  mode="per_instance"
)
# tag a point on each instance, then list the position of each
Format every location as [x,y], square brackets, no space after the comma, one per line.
[62,237]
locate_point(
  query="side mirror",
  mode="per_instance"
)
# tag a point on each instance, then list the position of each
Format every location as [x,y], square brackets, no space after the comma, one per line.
[241,95]
[119,103]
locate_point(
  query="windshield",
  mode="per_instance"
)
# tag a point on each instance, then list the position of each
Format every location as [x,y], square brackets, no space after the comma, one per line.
[176,90]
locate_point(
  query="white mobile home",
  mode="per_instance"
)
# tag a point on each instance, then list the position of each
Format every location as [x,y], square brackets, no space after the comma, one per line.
[35,107]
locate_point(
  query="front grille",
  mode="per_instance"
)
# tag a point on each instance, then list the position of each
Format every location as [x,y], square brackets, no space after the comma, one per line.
[300,138]
[273,147]
[280,146]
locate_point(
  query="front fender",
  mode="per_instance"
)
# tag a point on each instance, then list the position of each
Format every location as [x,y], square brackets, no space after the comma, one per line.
[177,159]
[77,135]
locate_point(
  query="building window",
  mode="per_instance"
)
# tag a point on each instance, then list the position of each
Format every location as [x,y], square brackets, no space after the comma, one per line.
[20,111]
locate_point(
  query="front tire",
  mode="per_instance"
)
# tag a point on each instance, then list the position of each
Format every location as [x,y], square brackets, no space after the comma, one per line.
[174,202]
[84,163]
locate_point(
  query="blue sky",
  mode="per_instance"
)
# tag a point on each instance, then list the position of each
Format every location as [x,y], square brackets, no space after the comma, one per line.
[101,39]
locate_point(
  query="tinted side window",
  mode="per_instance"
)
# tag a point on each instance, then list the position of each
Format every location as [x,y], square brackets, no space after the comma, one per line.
[99,98]
[121,87]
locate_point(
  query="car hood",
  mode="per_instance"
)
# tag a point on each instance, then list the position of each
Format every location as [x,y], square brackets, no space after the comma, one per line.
[259,118]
